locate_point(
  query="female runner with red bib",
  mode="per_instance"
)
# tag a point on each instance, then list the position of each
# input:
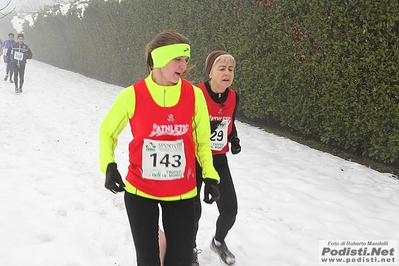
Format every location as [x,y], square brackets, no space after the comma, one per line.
[222,104]
[169,123]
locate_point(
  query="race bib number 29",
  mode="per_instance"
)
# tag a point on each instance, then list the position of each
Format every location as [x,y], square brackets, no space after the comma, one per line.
[163,160]
[219,136]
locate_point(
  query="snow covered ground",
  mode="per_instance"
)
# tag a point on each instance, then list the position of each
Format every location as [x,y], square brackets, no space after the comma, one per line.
[55,211]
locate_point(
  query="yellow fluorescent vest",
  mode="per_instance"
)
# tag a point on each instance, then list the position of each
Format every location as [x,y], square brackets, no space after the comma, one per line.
[123,109]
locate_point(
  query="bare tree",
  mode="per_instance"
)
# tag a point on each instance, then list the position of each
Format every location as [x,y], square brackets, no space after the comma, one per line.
[29,5]
[4,13]
[35,5]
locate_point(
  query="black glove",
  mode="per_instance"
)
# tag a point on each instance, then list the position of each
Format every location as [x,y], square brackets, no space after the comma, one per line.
[235,145]
[211,188]
[113,179]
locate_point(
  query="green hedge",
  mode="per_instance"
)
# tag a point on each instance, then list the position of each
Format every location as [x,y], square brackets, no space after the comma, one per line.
[324,69]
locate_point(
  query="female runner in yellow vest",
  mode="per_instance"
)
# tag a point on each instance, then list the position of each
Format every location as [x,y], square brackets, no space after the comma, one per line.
[169,122]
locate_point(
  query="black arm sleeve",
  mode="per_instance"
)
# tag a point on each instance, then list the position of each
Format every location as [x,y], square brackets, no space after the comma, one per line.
[9,52]
[29,54]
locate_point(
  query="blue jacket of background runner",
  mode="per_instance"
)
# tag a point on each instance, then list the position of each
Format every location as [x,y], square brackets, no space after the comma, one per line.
[18,53]
[6,44]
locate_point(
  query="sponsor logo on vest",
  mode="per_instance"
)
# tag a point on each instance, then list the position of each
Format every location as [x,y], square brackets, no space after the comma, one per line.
[150,147]
[170,130]
[170,118]
[163,146]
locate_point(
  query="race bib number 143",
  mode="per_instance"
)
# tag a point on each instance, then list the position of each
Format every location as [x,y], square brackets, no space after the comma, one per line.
[163,160]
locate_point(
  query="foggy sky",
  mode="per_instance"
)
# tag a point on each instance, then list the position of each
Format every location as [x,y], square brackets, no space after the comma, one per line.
[28,5]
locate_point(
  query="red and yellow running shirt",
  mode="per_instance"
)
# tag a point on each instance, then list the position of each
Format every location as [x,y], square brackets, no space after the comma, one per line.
[168,131]
[162,153]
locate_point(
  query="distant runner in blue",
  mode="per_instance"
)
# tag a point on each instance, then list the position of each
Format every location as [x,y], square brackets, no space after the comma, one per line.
[6,44]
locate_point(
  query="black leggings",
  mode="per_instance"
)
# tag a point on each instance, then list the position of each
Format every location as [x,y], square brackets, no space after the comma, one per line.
[9,69]
[19,70]
[227,204]
[178,219]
